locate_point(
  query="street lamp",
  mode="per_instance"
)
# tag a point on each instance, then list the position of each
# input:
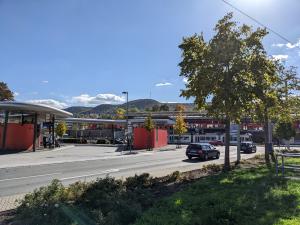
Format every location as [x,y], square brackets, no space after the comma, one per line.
[127,131]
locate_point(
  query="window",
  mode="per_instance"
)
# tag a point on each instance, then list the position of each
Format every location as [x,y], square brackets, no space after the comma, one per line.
[205,147]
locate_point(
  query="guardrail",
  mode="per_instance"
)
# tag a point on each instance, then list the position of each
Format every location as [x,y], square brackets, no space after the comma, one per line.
[284,166]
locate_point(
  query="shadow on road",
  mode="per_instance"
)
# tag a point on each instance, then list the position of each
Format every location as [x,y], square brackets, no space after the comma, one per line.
[196,160]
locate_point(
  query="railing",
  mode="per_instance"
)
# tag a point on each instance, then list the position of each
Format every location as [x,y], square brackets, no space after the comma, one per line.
[284,166]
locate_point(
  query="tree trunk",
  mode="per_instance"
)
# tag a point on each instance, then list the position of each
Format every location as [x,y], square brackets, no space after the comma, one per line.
[227,145]
[266,131]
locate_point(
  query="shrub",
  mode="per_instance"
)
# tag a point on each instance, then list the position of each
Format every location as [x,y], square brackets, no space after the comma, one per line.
[103,141]
[43,206]
[214,168]
[73,140]
[105,201]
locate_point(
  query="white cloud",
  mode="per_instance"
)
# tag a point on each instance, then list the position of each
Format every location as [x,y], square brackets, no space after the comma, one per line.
[49,102]
[45,81]
[184,80]
[16,94]
[163,84]
[86,99]
[280,57]
[288,45]
[278,45]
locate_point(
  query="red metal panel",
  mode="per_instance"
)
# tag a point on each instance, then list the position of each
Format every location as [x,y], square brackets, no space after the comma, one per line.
[144,139]
[18,137]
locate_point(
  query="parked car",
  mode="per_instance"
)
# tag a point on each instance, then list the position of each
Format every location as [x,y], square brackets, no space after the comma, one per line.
[216,143]
[202,150]
[248,147]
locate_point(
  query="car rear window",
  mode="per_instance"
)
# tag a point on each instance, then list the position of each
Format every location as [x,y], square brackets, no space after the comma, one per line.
[194,146]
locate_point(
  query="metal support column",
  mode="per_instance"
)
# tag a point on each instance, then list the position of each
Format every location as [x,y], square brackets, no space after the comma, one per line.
[53,126]
[113,133]
[34,132]
[4,130]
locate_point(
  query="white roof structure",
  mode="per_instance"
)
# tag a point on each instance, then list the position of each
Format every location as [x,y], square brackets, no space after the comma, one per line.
[21,107]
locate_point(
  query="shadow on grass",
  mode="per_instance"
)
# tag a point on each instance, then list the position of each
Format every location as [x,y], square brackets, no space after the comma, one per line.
[245,197]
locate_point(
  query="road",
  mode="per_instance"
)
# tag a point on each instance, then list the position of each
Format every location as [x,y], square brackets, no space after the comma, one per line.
[22,173]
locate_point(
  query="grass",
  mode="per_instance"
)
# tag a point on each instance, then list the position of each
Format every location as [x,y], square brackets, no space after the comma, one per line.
[243,196]
[249,194]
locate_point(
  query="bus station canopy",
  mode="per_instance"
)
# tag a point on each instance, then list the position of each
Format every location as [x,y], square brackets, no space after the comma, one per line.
[29,108]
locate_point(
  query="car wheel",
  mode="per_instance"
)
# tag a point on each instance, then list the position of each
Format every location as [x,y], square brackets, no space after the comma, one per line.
[255,150]
[190,157]
[205,157]
[218,155]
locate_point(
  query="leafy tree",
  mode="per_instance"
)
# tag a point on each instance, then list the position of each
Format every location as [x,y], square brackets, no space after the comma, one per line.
[5,93]
[289,84]
[180,108]
[120,113]
[155,108]
[285,130]
[265,80]
[179,127]
[149,126]
[219,69]
[134,110]
[105,116]
[61,129]
[164,108]
[273,86]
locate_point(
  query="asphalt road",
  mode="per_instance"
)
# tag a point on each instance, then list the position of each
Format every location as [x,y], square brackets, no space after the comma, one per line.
[23,173]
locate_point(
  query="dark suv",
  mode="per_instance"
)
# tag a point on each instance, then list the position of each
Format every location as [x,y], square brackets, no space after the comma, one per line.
[202,150]
[248,147]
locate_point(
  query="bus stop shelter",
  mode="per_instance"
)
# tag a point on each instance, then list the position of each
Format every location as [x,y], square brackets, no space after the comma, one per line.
[22,123]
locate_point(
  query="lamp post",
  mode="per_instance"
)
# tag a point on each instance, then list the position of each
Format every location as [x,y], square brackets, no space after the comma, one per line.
[127,131]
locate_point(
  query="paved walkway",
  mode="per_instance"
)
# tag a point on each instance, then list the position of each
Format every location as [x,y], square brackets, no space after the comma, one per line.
[10,202]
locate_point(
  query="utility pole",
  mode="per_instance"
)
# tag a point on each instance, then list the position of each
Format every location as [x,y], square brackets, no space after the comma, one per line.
[127,130]
[238,147]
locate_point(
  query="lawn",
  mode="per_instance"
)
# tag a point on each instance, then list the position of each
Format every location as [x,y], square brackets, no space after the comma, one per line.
[243,196]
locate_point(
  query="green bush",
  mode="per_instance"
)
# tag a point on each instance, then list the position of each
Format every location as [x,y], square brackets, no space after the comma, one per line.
[73,140]
[214,168]
[103,141]
[44,206]
[105,201]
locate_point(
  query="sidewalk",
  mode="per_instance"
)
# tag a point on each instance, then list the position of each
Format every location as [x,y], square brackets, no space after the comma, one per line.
[10,202]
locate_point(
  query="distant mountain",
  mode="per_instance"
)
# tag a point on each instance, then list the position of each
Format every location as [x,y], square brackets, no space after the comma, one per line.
[78,109]
[140,104]
[103,109]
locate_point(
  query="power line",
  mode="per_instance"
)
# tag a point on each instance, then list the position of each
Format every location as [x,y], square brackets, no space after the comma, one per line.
[258,22]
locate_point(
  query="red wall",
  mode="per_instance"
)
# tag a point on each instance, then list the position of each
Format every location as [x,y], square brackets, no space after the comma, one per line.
[142,138]
[18,137]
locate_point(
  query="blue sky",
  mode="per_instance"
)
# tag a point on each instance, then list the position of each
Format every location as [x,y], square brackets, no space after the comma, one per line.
[86,52]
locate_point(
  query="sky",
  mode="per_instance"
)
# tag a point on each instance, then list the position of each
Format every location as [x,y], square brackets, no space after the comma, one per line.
[87,52]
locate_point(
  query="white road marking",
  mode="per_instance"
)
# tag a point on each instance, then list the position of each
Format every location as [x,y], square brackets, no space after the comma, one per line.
[90,175]
[20,178]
